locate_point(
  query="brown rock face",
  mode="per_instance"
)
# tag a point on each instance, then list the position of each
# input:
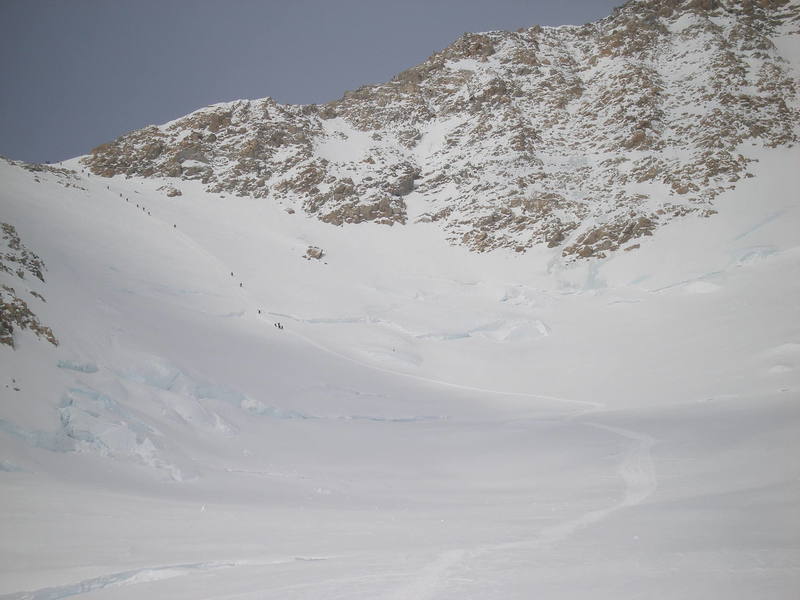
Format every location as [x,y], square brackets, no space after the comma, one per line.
[314,253]
[170,191]
[609,237]
[16,262]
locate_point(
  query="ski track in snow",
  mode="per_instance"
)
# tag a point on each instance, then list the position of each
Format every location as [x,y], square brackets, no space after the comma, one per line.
[637,472]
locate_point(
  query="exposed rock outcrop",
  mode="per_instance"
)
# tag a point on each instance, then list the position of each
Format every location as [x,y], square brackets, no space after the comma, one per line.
[18,263]
[315,253]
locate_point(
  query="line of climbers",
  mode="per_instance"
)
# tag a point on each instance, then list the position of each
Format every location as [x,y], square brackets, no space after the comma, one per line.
[175,226]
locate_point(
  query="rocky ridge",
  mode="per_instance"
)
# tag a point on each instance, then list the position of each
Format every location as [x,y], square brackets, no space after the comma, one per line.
[17,263]
[583,138]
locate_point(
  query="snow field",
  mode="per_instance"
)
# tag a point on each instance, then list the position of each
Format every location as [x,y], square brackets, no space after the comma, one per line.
[429,423]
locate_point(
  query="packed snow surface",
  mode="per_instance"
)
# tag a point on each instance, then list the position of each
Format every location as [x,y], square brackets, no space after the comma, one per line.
[428,423]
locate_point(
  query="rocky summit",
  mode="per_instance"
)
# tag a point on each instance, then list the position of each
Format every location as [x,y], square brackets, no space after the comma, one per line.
[582,138]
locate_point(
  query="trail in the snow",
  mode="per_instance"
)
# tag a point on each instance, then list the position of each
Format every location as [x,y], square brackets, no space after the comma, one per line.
[430,579]
[637,468]
[637,472]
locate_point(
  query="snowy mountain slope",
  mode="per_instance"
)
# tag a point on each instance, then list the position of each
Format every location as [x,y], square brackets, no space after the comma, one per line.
[430,422]
[582,138]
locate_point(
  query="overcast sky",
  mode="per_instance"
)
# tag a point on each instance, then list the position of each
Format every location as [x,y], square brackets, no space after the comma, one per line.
[77,73]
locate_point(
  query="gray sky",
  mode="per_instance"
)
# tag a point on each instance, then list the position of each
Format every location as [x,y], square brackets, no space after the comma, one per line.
[77,73]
